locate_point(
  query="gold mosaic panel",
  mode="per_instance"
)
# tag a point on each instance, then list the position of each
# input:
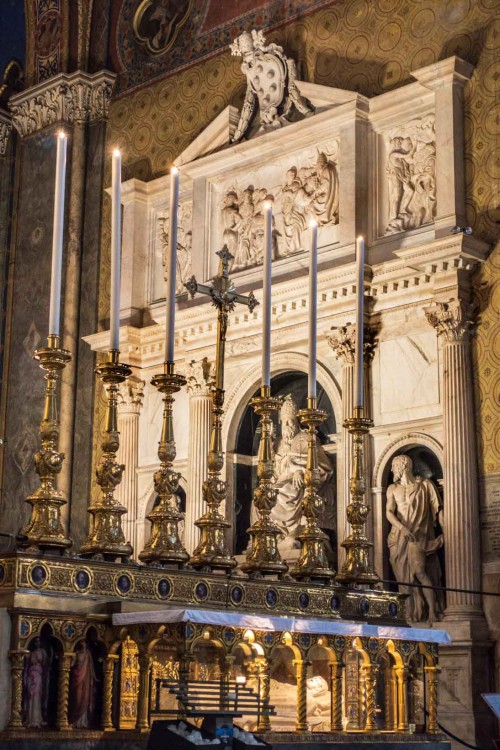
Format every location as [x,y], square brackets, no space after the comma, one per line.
[370,47]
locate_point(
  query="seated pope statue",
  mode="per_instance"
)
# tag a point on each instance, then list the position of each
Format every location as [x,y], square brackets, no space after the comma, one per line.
[290,464]
[413,508]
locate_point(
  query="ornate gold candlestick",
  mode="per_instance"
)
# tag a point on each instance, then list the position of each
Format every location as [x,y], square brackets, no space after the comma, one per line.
[164,545]
[212,552]
[106,538]
[357,568]
[263,557]
[313,560]
[45,530]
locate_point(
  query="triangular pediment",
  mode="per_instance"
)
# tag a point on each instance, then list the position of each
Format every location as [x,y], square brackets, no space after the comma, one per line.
[218,134]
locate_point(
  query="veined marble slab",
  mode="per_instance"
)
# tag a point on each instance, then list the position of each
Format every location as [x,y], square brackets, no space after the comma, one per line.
[292,624]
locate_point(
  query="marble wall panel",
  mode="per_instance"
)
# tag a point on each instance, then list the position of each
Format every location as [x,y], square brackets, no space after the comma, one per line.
[409,374]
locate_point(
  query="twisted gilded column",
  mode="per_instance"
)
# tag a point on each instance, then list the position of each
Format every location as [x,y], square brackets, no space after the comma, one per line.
[264,674]
[65,662]
[200,380]
[453,321]
[369,672]
[432,702]
[17,658]
[301,674]
[336,696]
[107,692]
[129,402]
[342,341]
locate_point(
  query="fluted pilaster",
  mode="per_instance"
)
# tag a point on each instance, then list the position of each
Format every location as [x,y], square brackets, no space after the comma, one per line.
[342,340]
[200,379]
[131,394]
[452,322]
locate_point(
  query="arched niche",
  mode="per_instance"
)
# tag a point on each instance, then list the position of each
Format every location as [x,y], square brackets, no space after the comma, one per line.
[289,384]
[426,454]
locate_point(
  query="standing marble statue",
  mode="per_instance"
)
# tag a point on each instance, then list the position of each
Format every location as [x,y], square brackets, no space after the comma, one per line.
[290,454]
[413,507]
[270,83]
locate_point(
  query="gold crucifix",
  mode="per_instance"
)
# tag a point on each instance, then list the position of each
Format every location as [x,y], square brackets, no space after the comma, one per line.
[211,552]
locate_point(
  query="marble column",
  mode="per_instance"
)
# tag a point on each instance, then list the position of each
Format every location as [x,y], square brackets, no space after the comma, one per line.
[130,398]
[462,543]
[342,341]
[200,379]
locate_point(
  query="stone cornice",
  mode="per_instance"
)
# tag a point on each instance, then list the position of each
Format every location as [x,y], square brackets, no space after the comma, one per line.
[451,70]
[66,98]
[5,129]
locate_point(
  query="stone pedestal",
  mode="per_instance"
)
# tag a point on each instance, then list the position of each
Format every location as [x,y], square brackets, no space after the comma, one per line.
[199,376]
[129,407]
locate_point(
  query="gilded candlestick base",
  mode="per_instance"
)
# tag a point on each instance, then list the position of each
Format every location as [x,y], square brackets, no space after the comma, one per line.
[313,559]
[164,546]
[263,557]
[357,568]
[44,529]
[212,552]
[106,538]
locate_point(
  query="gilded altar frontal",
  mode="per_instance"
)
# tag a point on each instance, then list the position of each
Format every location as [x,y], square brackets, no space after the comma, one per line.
[249,389]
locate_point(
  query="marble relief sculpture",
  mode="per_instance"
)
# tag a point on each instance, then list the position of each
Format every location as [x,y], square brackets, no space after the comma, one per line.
[290,452]
[413,508]
[308,192]
[184,244]
[410,169]
[270,83]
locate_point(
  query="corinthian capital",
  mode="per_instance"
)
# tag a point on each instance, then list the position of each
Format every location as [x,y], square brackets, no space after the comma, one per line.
[343,342]
[77,97]
[453,320]
[130,395]
[200,377]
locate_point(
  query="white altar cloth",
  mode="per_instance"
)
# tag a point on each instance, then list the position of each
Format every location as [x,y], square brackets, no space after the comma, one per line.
[291,624]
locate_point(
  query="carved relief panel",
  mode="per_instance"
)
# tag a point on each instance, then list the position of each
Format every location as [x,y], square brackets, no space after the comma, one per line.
[407,176]
[300,187]
[161,230]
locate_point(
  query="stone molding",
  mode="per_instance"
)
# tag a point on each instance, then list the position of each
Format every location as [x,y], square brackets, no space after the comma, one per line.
[77,97]
[131,395]
[5,129]
[343,340]
[453,320]
[200,377]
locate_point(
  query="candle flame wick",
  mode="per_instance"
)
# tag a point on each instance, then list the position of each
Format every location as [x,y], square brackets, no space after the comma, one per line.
[360,237]
[313,223]
[61,134]
[174,170]
[117,152]
[267,205]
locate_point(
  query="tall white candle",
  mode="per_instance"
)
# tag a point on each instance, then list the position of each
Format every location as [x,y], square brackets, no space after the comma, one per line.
[358,360]
[57,237]
[266,295]
[116,216]
[313,307]
[172,266]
